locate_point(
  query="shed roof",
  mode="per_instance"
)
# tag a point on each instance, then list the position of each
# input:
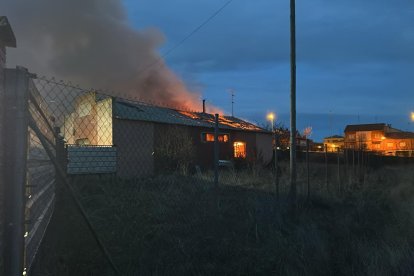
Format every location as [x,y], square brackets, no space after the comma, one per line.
[365,127]
[7,37]
[150,113]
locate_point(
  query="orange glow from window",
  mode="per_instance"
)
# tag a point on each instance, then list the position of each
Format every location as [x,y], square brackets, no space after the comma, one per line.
[239,149]
[209,137]
[222,138]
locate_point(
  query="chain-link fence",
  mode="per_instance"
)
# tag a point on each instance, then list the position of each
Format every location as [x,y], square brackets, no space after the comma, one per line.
[139,189]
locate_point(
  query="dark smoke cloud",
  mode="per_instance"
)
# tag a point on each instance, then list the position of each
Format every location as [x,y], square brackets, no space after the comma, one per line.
[91,43]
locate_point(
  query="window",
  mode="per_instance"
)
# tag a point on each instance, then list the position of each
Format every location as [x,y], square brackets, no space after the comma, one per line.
[209,137]
[403,144]
[239,149]
[377,136]
[351,136]
[390,145]
[377,146]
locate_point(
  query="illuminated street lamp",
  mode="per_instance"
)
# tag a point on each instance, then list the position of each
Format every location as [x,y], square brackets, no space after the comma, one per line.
[271,117]
[412,116]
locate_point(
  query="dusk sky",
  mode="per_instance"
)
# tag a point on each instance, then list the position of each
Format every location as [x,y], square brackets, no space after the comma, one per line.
[355,59]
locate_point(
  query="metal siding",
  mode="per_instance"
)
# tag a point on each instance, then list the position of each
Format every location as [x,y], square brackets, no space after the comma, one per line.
[91,159]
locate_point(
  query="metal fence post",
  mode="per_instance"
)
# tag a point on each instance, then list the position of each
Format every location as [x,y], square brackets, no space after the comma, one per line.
[61,159]
[326,168]
[15,140]
[216,150]
[307,168]
[276,167]
[339,172]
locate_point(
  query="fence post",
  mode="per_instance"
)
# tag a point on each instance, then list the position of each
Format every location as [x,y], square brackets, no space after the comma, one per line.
[339,172]
[276,167]
[326,168]
[307,168]
[15,141]
[216,150]
[61,160]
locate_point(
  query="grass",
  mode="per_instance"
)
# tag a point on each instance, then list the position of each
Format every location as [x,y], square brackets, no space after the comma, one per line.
[176,225]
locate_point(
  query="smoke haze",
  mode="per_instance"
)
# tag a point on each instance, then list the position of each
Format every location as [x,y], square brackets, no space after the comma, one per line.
[90,42]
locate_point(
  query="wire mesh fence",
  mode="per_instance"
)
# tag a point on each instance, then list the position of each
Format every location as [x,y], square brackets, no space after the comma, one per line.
[138,189]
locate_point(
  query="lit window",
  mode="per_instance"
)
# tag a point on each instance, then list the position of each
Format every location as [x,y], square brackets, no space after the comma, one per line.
[209,137]
[239,150]
[351,136]
[377,136]
[403,144]
[390,145]
[377,146]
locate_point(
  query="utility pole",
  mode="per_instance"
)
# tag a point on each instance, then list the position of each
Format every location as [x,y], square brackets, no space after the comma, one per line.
[293,173]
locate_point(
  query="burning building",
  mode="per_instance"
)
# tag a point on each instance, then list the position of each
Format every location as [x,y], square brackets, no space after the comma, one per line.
[146,137]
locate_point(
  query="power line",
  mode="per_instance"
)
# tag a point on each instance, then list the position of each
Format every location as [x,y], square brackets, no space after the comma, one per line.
[198,28]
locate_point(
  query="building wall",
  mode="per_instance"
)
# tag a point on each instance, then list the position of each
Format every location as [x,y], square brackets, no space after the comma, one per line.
[403,147]
[258,145]
[379,142]
[91,121]
[134,142]
[264,146]
[363,139]
[332,144]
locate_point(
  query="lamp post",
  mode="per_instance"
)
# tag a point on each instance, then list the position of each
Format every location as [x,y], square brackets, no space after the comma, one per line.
[412,117]
[271,117]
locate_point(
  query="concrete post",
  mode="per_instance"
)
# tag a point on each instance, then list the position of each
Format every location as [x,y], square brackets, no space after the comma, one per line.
[15,136]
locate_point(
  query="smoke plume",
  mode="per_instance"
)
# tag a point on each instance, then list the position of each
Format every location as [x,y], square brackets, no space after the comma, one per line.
[90,42]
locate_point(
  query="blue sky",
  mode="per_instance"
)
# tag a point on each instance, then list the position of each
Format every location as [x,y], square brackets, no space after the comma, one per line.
[355,59]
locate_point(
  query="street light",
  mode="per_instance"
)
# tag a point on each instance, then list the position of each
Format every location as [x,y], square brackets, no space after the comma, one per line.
[271,117]
[412,116]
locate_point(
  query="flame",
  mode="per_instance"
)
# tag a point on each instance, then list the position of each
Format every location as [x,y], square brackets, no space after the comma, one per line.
[223,120]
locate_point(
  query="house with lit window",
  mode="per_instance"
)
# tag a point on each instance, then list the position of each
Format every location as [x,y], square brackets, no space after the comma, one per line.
[334,143]
[143,134]
[379,138]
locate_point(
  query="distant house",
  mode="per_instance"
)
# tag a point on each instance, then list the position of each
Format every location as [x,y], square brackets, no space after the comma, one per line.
[145,136]
[334,143]
[380,138]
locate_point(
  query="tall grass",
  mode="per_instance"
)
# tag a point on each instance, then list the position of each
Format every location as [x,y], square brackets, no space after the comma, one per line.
[181,225]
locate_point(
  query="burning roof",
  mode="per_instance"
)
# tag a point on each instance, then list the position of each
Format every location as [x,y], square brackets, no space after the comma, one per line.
[143,112]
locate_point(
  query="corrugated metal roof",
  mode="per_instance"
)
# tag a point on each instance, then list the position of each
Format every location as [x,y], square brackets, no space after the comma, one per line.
[7,37]
[149,113]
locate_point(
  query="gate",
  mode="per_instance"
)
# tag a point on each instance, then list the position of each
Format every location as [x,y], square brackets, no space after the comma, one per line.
[28,172]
